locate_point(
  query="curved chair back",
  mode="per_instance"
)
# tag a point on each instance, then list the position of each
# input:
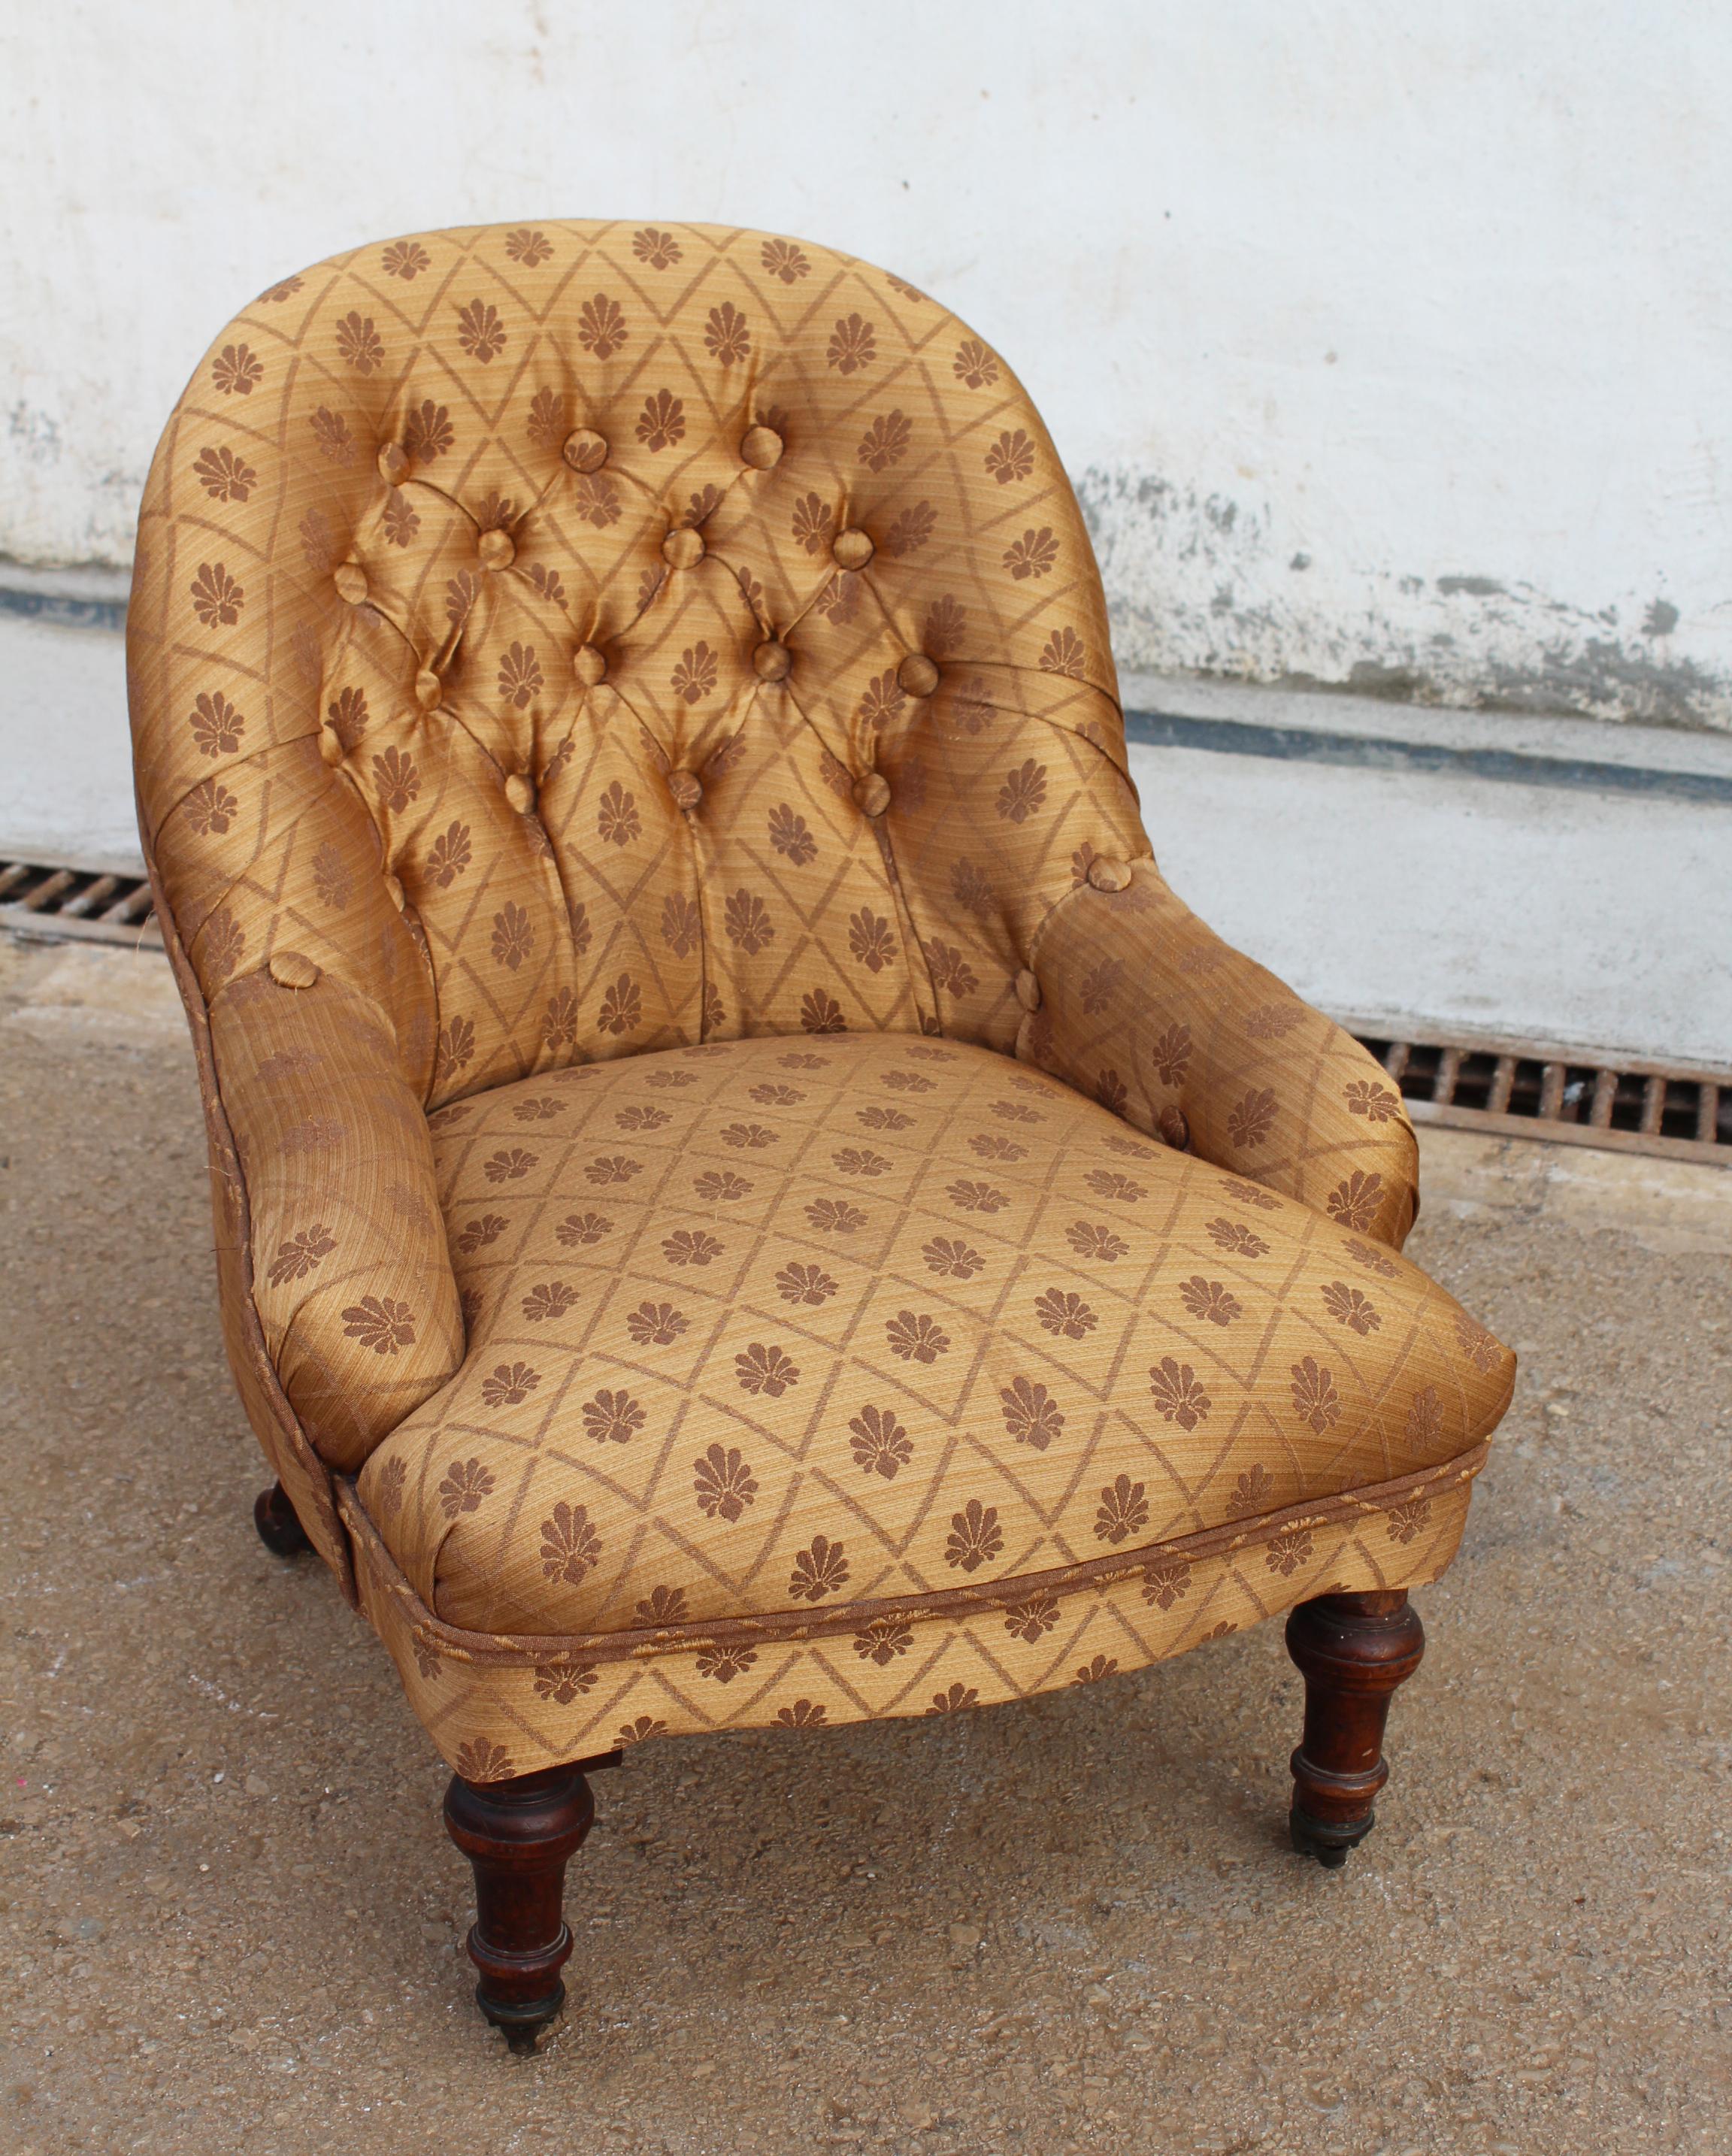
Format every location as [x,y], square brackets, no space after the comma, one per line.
[585,640]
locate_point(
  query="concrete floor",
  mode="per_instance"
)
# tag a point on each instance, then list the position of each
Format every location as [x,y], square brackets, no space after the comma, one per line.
[229,1918]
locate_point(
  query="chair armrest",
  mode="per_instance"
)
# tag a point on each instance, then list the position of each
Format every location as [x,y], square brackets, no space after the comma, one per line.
[351,1273]
[1144,1006]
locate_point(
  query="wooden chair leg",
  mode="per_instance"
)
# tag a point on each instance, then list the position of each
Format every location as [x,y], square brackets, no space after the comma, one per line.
[517,1834]
[1353,1650]
[279,1525]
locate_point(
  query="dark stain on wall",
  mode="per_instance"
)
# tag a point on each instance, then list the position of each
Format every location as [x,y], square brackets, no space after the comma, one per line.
[1199,583]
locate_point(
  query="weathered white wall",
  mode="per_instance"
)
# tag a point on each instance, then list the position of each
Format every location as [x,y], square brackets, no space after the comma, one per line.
[1387,345]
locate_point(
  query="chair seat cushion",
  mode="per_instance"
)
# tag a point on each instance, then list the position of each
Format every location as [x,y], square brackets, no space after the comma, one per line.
[802,1325]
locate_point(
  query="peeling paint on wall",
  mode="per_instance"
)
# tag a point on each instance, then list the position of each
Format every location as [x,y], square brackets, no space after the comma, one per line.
[61,502]
[1198,582]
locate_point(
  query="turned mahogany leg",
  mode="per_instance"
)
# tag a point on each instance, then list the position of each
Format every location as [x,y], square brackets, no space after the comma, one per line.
[1353,1650]
[517,1834]
[279,1529]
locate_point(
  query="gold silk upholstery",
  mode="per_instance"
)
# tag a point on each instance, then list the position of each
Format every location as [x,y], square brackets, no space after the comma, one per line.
[635,705]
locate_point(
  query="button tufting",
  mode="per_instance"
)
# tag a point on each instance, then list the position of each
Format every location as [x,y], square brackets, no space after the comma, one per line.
[584,450]
[589,662]
[852,548]
[1108,876]
[687,787]
[392,462]
[917,676]
[761,448]
[498,550]
[289,969]
[1028,990]
[771,661]
[872,794]
[520,792]
[330,748]
[350,581]
[428,688]
[399,897]
[683,549]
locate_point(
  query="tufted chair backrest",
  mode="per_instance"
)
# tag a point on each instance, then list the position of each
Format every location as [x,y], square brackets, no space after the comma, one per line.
[586,639]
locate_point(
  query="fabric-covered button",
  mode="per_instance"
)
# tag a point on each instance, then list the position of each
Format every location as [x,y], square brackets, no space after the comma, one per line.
[771,661]
[520,792]
[852,549]
[917,676]
[330,748]
[687,787]
[872,794]
[428,688]
[498,550]
[683,549]
[1106,875]
[1028,990]
[589,662]
[393,463]
[1173,1128]
[584,449]
[350,581]
[399,897]
[761,448]
[290,969]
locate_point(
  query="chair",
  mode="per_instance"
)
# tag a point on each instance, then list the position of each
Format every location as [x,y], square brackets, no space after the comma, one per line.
[742,1198]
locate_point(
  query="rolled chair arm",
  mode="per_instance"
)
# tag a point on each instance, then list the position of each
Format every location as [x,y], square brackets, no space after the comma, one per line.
[1142,1006]
[352,1275]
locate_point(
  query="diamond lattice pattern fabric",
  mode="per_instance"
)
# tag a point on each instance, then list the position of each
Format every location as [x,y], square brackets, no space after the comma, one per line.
[643,697]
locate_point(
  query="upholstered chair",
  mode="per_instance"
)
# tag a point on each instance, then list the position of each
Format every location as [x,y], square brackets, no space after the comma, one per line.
[742,1198]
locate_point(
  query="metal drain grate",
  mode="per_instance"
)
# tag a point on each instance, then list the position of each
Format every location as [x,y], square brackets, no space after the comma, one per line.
[95,902]
[1525,1089]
